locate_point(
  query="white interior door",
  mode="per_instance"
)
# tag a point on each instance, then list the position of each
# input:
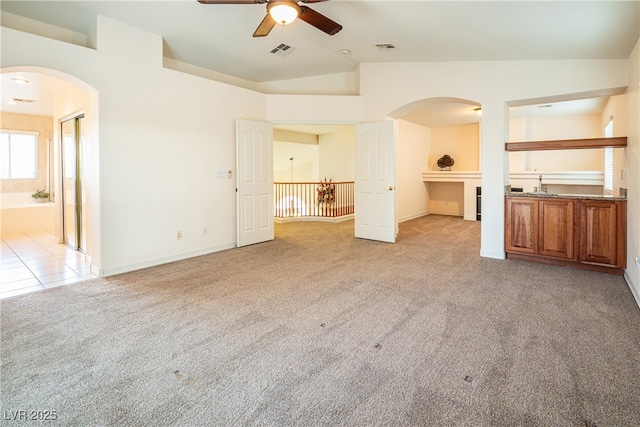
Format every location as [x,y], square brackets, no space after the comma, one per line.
[254,182]
[375,180]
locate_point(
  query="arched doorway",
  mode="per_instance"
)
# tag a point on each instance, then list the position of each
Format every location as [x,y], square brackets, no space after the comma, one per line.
[449,127]
[66,102]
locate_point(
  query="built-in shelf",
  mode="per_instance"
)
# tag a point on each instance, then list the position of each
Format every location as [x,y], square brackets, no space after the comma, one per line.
[470,181]
[558,177]
[567,144]
[525,179]
[450,176]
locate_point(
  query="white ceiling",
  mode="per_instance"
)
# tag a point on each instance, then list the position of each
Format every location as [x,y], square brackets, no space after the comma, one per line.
[219,37]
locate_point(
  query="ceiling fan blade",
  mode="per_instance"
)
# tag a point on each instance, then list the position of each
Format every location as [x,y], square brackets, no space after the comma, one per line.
[231,1]
[319,21]
[265,26]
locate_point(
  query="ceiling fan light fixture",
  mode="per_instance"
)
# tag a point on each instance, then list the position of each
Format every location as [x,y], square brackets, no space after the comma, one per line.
[283,12]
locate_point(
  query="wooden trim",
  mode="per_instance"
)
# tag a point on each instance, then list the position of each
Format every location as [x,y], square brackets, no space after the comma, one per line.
[622,233]
[567,144]
[564,263]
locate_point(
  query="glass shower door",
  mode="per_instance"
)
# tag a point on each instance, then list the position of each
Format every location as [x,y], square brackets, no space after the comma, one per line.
[72,211]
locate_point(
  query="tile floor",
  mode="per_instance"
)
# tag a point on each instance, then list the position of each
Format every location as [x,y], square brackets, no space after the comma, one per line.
[34,261]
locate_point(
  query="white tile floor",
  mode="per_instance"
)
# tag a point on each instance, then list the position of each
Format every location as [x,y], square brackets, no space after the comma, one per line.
[34,261]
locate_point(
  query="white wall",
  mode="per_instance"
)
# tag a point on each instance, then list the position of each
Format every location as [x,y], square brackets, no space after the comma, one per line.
[164,134]
[389,86]
[314,109]
[412,154]
[551,128]
[337,150]
[162,137]
[330,84]
[617,108]
[306,159]
[462,143]
[73,99]
[555,127]
[632,155]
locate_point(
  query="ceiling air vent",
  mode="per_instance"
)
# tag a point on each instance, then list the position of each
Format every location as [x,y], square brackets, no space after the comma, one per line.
[282,50]
[385,46]
[20,101]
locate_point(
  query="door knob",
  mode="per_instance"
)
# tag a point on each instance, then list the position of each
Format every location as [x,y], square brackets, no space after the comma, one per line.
[390,188]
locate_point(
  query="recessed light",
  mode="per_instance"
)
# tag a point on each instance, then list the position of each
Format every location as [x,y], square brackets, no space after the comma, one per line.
[19,80]
[345,52]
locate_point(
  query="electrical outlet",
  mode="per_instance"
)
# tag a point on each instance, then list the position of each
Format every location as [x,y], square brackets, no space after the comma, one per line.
[178,235]
[204,231]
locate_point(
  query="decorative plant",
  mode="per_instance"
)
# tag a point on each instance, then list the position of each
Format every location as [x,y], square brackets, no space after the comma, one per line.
[326,192]
[40,194]
[445,162]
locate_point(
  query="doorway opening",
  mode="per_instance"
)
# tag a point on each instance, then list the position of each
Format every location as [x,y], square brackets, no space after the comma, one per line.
[313,171]
[71,179]
[68,162]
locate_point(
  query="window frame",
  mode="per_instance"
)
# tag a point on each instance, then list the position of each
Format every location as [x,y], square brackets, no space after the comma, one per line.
[608,159]
[36,171]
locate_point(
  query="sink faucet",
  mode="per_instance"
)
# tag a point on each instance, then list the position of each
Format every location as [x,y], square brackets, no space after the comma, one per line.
[540,189]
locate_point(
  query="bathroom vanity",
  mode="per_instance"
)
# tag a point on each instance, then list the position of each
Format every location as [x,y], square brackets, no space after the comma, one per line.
[582,231]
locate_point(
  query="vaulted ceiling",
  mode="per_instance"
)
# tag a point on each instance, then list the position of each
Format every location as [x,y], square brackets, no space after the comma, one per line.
[219,37]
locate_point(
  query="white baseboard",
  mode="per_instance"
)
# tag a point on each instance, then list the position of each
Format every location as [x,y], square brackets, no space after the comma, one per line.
[313,218]
[159,261]
[466,218]
[447,213]
[633,287]
[495,255]
[410,217]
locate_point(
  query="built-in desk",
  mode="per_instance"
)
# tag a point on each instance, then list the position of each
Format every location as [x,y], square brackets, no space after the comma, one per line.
[564,180]
[470,180]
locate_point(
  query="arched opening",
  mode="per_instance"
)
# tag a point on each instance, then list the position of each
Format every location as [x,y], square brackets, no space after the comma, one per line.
[450,127]
[45,102]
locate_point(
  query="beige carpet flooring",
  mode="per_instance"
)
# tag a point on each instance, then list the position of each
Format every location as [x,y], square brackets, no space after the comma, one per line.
[317,328]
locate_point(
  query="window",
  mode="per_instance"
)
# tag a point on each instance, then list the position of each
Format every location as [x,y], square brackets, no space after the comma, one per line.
[608,159]
[18,155]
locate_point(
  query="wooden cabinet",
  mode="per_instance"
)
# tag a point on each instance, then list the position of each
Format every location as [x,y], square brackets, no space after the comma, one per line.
[603,233]
[574,232]
[556,225]
[522,225]
[541,227]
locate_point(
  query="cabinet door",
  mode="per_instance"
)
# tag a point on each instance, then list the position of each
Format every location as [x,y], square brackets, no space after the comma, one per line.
[599,231]
[521,233]
[556,228]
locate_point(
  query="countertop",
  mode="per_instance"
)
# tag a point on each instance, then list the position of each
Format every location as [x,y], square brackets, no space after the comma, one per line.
[566,196]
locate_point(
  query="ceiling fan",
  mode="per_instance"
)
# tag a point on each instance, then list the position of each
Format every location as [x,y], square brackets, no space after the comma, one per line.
[285,12]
